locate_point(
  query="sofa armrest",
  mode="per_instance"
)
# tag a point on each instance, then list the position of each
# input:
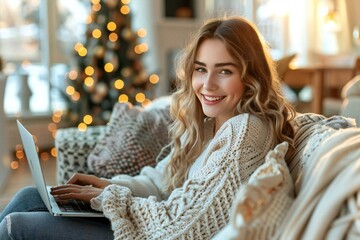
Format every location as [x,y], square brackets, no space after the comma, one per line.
[73,147]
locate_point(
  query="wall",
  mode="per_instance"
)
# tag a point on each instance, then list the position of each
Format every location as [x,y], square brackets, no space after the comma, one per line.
[165,35]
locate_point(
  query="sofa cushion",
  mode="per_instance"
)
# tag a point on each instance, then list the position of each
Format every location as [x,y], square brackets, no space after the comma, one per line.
[261,205]
[329,191]
[133,139]
[305,126]
[352,88]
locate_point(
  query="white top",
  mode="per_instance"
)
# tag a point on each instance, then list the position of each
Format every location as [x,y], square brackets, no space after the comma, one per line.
[139,209]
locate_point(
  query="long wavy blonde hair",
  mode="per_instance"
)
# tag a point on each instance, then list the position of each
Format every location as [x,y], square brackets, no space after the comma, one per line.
[262,96]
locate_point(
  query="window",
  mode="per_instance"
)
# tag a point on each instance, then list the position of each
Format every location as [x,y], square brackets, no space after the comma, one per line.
[36,43]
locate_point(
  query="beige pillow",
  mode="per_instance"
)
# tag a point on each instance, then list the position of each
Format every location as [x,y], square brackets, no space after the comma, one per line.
[307,126]
[262,204]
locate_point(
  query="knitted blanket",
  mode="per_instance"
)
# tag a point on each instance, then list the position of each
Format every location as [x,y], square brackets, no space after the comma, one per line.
[327,206]
[201,207]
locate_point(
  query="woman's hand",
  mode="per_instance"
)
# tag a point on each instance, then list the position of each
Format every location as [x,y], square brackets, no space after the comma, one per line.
[73,191]
[80,186]
[85,179]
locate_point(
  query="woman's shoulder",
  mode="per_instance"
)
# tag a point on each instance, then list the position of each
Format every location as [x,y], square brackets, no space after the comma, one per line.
[250,130]
[247,120]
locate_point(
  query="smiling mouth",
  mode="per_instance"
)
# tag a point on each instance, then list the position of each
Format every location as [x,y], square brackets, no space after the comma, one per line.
[212,99]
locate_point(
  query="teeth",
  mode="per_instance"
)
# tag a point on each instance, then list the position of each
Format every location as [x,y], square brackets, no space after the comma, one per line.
[212,98]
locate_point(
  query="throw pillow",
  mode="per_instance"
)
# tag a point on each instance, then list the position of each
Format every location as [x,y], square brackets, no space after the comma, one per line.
[262,204]
[305,126]
[132,140]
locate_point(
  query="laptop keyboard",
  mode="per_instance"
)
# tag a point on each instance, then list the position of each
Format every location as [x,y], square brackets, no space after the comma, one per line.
[73,205]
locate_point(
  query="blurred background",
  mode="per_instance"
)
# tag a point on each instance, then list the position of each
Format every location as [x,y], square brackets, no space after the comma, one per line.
[64,63]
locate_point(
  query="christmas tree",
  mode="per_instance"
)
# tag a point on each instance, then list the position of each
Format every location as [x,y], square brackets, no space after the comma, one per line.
[108,65]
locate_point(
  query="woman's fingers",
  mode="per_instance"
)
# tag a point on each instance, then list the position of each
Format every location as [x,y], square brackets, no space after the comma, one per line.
[71,191]
[85,179]
[80,179]
[67,188]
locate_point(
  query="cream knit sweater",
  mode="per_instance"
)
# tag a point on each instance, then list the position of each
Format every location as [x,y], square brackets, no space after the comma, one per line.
[138,209]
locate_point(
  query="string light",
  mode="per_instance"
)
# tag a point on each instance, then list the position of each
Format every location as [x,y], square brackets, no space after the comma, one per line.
[53,134]
[125,9]
[123,98]
[146,102]
[89,70]
[73,75]
[76,96]
[82,52]
[154,79]
[111,26]
[56,119]
[88,19]
[44,156]
[125,1]
[140,97]
[88,119]
[142,32]
[96,7]
[58,113]
[89,81]
[113,37]
[52,126]
[53,152]
[70,90]
[82,127]
[77,46]
[14,165]
[119,84]
[109,67]
[96,33]
[144,47]
[137,49]
[19,154]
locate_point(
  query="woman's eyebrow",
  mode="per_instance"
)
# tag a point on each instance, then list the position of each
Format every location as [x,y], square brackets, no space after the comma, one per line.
[199,63]
[217,64]
[225,64]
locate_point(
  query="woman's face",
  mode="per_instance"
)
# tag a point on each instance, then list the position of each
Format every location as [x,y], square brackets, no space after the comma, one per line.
[216,81]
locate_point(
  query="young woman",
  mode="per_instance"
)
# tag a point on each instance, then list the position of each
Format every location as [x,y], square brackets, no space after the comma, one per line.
[228,113]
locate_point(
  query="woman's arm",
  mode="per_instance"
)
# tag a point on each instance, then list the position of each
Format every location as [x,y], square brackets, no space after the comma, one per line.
[150,181]
[85,187]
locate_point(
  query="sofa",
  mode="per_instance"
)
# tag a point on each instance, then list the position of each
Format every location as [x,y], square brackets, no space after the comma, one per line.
[312,193]
[350,95]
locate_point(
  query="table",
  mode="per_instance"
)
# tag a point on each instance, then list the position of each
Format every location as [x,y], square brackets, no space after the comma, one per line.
[320,72]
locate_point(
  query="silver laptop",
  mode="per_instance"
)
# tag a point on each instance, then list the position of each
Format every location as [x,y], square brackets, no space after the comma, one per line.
[72,208]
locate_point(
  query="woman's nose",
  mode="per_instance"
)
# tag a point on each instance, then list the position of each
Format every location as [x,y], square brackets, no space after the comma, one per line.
[209,82]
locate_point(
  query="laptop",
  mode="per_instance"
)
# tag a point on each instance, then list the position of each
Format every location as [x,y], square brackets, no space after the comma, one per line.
[67,208]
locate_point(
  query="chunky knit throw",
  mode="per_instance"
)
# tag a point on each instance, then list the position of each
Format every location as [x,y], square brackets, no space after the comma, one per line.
[201,207]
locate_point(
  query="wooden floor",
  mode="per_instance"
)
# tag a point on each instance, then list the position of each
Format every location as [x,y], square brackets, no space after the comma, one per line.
[21,177]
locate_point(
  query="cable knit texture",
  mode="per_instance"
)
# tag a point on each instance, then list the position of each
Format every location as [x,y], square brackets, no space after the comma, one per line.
[201,207]
[262,204]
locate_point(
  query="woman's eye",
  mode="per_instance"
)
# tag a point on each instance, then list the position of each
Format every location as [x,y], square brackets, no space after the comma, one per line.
[200,69]
[225,71]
